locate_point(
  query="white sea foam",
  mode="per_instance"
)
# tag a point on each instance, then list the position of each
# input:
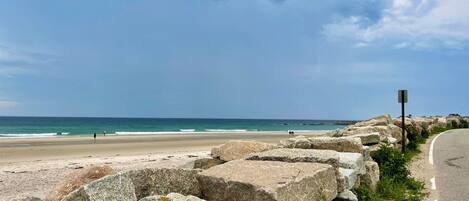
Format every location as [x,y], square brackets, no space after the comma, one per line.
[187,130]
[31,135]
[181,131]
[226,130]
[150,133]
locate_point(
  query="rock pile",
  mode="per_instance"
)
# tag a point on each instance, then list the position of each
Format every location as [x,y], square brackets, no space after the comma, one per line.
[323,168]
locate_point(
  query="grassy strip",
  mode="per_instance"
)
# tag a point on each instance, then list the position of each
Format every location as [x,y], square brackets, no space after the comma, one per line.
[395,181]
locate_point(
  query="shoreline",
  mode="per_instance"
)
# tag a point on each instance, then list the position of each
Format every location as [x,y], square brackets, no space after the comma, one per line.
[34,166]
[24,149]
[144,133]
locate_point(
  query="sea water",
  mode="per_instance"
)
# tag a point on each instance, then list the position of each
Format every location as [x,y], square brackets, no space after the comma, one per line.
[66,126]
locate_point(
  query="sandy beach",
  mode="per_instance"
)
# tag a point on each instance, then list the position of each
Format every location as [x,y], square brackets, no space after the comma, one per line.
[33,166]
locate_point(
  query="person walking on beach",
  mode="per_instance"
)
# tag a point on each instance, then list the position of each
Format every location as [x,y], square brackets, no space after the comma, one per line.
[104,133]
[94,136]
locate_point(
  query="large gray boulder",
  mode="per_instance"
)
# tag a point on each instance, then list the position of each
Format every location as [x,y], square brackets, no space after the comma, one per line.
[112,187]
[171,197]
[298,155]
[351,177]
[346,196]
[382,120]
[245,180]
[300,142]
[234,150]
[371,177]
[352,161]
[368,138]
[150,182]
[384,131]
[340,144]
[206,163]
[366,153]
[77,179]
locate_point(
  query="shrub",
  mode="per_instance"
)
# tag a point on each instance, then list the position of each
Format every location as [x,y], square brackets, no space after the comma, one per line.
[464,124]
[366,194]
[425,133]
[437,130]
[454,124]
[414,137]
[392,163]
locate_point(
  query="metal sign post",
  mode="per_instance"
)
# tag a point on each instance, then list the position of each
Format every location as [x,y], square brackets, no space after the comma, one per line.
[402,96]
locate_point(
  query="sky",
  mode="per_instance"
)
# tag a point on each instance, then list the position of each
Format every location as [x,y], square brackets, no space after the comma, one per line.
[297,59]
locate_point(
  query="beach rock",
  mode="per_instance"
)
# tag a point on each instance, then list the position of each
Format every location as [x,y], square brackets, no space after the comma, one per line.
[422,122]
[398,121]
[352,161]
[300,142]
[341,182]
[366,153]
[368,138]
[384,131]
[171,197]
[440,122]
[77,179]
[26,198]
[382,120]
[346,196]
[298,155]
[371,177]
[351,177]
[205,163]
[340,144]
[303,155]
[246,180]
[112,187]
[150,182]
[234,150]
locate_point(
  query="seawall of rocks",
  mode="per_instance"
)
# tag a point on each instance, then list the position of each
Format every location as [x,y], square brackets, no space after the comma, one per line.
[301,168]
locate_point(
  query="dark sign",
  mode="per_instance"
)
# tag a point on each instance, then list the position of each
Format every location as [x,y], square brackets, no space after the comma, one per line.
[402,96]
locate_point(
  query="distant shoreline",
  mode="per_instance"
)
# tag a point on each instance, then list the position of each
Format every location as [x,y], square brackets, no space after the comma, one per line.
[136,134]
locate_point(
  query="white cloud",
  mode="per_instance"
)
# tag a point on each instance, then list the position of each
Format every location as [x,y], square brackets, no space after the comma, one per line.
[419,24]
[7,104]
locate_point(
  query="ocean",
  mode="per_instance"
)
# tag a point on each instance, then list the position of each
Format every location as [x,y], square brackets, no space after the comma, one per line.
[66,126]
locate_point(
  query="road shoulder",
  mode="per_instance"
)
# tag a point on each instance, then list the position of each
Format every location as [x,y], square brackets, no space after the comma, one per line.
[422,170]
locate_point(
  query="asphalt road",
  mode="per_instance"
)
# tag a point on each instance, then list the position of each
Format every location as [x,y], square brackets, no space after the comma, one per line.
[451,160]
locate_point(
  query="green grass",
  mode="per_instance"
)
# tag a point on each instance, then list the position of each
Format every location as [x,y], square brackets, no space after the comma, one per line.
[395,182]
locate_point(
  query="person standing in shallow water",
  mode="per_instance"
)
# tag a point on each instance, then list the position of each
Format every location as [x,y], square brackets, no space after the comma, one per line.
[94,136]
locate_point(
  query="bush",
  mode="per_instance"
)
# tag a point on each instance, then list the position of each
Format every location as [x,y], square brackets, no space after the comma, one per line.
[454,124]
[437,130]
[404,190]
[464,124]
[414,137]
[392,163]
[395,183]
[425,133]
[366,194]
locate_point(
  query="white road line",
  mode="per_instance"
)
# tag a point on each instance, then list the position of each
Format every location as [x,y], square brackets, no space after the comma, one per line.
[432,180]
[430,154]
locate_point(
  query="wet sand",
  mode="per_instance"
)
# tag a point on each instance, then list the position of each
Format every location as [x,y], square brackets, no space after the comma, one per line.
[35,166]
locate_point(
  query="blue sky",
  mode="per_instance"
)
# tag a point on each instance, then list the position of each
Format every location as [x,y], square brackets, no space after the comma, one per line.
[233,58]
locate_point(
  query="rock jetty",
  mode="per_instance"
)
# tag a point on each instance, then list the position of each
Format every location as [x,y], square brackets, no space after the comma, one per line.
[322,168]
